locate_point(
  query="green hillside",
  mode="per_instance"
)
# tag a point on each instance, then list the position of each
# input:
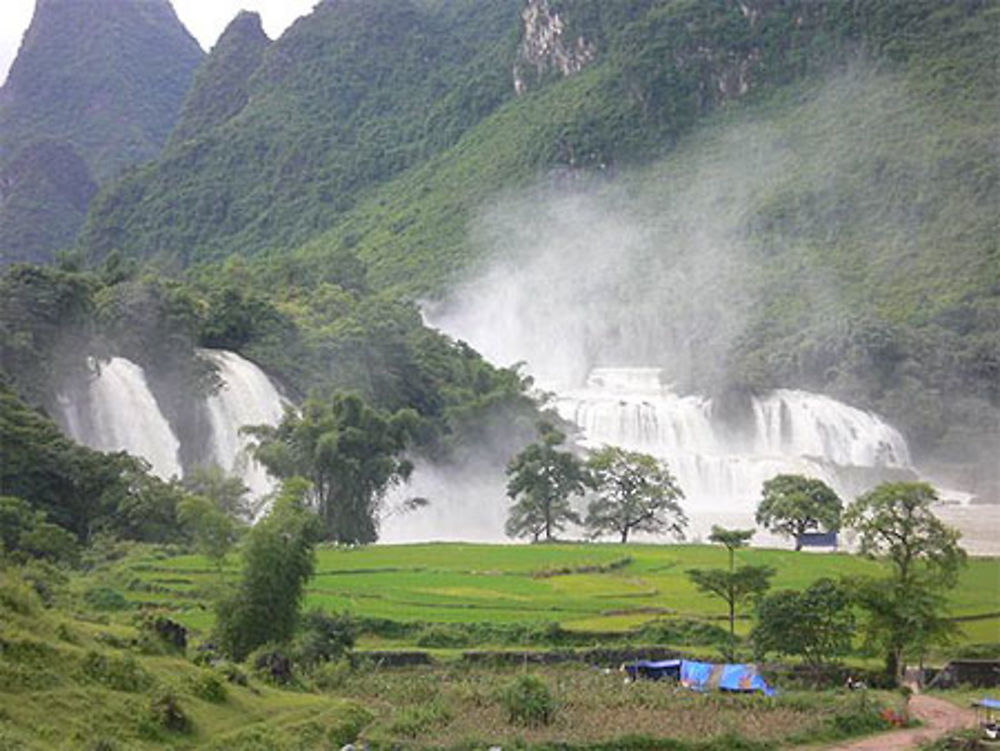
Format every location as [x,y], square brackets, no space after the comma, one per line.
[96,87]
[345,99]
[220,87]
[830,166]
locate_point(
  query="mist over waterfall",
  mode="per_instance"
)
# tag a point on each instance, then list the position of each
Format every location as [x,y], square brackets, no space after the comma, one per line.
[721,465]
[246,397]
[118,412]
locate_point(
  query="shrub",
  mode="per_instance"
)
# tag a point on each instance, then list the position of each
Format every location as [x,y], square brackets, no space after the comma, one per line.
[348,725]
[166,712]
[272,664]
[528,701]
[324,637]
[105,598]
[331,675]
[208,686]
[116,673]
[17,595]
[419,720]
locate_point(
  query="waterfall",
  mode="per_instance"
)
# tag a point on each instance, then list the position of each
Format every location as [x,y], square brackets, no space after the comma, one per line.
[247,397]
[119,413]
[721,467]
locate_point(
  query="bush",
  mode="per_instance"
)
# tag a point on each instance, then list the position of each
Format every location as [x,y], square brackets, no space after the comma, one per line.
[272,664]
[420,720]
[528,701]
[105,598]
[17,595]
[165,711]
[348,725]
[324,637]
[208,686]
[116,673]
[330,676]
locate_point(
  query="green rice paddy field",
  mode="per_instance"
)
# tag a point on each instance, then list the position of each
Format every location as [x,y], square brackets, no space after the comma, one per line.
[581,587]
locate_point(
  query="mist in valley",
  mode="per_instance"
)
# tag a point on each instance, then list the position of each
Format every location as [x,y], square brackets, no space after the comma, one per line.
[759,228]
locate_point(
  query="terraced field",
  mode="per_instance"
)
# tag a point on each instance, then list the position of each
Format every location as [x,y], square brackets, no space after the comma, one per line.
[581,587]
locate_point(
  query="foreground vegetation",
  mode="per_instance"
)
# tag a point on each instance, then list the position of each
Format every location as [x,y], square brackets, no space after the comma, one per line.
[80,640]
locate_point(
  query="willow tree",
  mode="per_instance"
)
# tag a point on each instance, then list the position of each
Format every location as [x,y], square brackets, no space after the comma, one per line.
[351,454]
[635,493]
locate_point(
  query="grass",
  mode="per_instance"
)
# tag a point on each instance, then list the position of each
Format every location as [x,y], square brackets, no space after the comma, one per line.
[74,675]
[619,589]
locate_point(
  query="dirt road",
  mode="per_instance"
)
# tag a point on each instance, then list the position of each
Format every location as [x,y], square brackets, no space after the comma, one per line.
[937,715]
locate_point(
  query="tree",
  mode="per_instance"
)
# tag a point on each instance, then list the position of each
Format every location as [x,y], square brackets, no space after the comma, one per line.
[895,523]
[737,585]
[815,624]
[635,492]
[793,505]
[349,452]
[277,561]
[541,481]
[24,533]
[213,532]
[227,492]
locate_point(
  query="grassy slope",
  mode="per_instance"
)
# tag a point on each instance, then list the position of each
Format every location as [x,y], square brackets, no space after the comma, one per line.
[50,700]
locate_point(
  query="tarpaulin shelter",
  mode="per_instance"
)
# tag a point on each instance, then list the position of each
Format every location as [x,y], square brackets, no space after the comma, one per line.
[702,676]
[654,669]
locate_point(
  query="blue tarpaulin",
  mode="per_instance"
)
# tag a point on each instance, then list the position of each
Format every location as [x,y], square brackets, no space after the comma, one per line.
[704,676]
[988,703]
[701,676]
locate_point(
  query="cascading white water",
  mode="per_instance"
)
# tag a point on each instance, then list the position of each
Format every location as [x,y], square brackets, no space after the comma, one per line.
[247,397]
[717,466]
[120,413]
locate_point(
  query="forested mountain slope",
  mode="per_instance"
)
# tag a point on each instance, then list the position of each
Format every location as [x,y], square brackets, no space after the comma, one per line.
[101,78]
[825,171]
[347,98]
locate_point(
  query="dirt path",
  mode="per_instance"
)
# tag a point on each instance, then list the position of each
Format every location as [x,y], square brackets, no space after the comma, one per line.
[937,715]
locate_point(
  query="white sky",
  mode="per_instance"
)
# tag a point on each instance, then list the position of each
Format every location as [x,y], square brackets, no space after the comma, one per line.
[205,19]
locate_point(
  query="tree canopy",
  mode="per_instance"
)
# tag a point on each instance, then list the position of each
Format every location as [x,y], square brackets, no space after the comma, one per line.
[635,493]
[905,610]
[541,481]
[792,505]
[816,624]
[351,454]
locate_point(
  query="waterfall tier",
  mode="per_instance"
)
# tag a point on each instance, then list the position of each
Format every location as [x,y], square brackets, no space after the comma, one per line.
[247,397]
[118,412]
[719,464]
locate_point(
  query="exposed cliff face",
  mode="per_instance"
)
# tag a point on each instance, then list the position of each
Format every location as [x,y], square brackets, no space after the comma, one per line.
[221,85]
[544,47]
